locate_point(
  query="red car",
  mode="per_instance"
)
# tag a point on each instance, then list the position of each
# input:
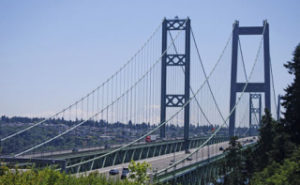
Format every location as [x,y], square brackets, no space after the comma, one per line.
[148,139]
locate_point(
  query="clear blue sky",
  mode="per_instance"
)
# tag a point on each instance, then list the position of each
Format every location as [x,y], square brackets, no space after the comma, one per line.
[53,52]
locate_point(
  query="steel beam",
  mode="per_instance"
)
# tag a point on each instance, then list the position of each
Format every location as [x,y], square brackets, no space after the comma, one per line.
[163,80]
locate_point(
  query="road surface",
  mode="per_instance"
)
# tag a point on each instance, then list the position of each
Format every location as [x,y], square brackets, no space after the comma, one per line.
[163,161]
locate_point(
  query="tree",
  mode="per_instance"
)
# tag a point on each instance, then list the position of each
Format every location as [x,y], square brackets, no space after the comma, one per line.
[49,176]
[138,172]
[278,140]
[233,163]
[291,100]
[266,135]
[273,144]
[280,174]
[282,147]
[248,160]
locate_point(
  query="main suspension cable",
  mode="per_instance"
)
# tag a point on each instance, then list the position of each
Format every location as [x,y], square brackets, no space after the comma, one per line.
[91,92]
[204,72]
[105,108]
[196,99]
[231,111]
[160,125]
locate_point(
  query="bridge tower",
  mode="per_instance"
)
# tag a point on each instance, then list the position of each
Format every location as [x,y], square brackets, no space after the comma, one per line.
[253,110]
[175,60]
[235,87]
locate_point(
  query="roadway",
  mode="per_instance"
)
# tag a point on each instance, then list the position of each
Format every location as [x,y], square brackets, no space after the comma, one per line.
[161,162]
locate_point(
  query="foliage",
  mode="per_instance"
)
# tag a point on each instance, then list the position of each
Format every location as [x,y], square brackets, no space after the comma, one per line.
[233,153]
[248,162]
[267,133]
[274,145]
[280,174]
[49,176]
[233,163]
[272,161]
[282,146]
[291,100]
[138,172]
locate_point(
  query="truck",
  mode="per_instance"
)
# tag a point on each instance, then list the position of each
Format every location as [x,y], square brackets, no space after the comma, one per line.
[151,138]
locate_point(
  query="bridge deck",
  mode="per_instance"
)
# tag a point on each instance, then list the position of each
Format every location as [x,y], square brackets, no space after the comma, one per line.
[161,162]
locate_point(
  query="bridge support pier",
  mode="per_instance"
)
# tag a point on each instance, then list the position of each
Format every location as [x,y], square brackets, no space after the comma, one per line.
[175,60]
[236,87]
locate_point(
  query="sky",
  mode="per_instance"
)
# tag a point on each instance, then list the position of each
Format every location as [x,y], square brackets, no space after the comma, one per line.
[54,52]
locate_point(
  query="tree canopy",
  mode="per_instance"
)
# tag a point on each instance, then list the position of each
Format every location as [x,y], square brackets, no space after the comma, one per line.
[291,100]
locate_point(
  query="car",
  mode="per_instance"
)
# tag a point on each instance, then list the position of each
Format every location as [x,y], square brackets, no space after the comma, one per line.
[125,171]
[221,148]
[189,158]
[113,171]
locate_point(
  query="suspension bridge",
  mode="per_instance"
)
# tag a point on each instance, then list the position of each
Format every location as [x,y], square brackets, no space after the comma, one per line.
[165,83]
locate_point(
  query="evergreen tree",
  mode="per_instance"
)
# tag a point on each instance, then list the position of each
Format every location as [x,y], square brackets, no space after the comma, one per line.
[269,160]
[291,101]
[266,136]
[282,147]
[248,162]
[286,172]
[233,163]
[273,145]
